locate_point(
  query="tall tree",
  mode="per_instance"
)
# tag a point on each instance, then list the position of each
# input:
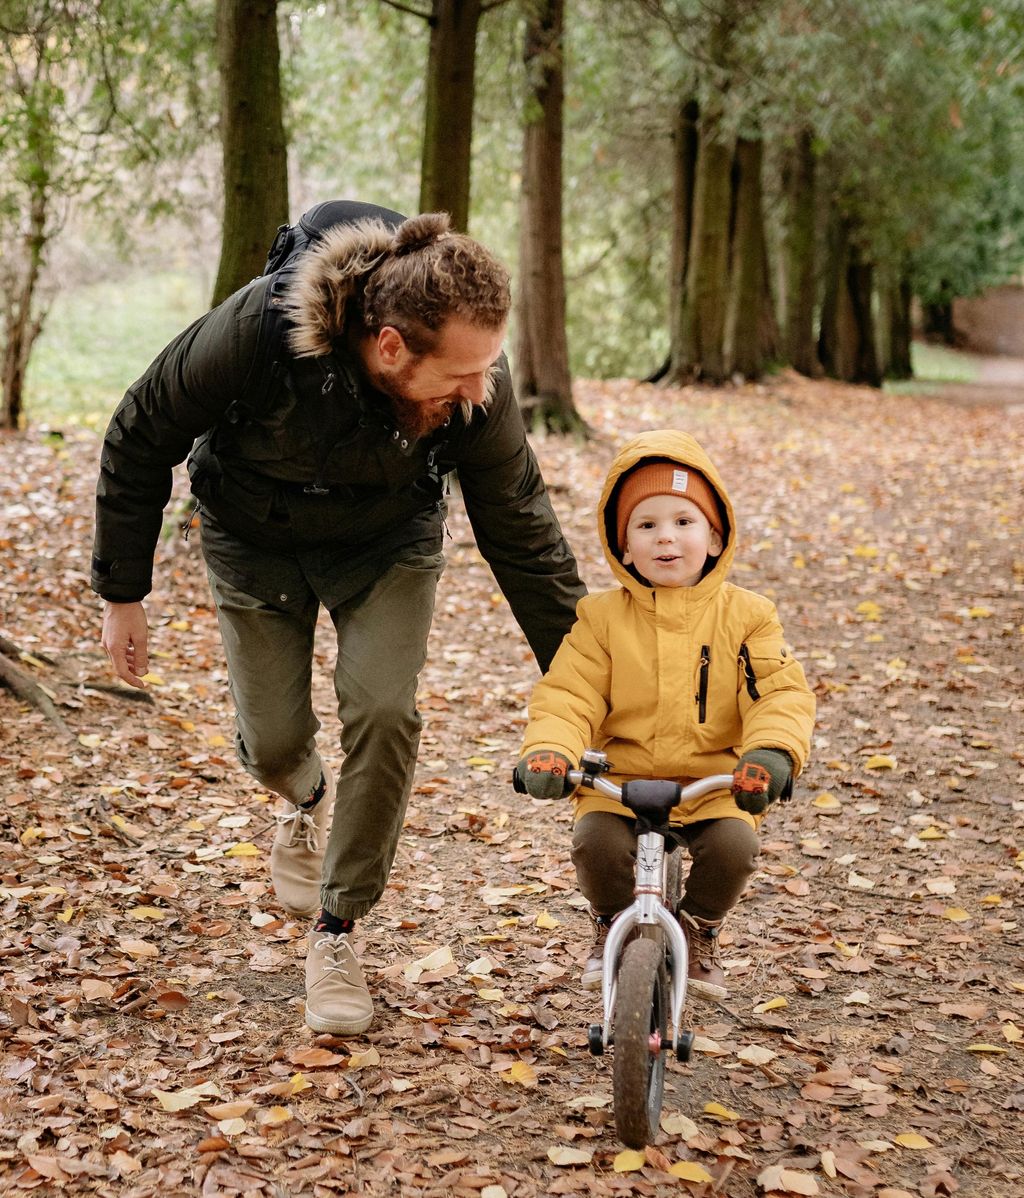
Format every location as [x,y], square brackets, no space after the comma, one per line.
[800,274]
[685,144]
[542,353]
[450,93]
[744,332]
[255,162]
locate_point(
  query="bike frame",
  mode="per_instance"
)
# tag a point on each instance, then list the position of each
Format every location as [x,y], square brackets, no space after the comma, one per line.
[648,908]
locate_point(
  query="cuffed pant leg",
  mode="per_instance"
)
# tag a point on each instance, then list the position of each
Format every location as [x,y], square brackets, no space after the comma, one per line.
[604,853]
[724,853]
[270,658]
[382,644]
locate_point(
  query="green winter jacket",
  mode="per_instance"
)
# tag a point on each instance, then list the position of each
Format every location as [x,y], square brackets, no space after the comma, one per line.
[317,493]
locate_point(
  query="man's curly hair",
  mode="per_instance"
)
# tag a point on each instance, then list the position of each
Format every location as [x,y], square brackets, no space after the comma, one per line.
[430,275]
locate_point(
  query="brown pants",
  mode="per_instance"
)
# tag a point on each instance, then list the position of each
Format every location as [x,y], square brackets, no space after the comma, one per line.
[723,851]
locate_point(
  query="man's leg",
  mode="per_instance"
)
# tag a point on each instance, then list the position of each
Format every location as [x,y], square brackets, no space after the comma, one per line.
[382,644]
[270,656]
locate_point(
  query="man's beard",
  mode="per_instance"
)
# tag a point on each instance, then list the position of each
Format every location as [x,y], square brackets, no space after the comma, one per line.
[414,420]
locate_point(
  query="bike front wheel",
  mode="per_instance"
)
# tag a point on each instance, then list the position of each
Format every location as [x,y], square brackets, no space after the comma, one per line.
[640,1024]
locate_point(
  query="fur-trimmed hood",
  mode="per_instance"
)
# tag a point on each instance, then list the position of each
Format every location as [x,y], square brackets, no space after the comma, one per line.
[329,274]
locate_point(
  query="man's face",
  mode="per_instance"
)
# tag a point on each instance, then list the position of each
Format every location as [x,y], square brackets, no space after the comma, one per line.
[425,389]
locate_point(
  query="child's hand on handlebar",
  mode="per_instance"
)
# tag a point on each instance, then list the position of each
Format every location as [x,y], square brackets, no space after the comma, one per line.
[760,777]
[543,774]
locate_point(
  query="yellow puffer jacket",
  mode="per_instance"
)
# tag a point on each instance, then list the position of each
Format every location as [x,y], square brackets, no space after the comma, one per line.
[672,682]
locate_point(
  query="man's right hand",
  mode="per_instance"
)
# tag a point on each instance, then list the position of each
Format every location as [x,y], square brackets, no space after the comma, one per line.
[125,633]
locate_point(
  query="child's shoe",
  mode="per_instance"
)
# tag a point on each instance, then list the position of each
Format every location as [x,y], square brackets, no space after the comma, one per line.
[705,975]
[594,968]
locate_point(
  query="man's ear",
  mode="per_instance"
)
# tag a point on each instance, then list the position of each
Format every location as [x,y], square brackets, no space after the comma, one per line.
[391,346]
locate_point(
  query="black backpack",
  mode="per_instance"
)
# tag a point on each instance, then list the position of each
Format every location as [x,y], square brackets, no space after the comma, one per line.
[270,362]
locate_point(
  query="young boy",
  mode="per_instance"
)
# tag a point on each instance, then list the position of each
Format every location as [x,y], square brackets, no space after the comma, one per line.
[676,673]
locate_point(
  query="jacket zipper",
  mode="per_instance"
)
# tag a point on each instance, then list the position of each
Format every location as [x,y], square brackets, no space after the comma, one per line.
[748,673]
[702,691]
[316,487]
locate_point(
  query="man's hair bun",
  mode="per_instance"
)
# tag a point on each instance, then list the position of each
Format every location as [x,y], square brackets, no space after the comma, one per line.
[420,231]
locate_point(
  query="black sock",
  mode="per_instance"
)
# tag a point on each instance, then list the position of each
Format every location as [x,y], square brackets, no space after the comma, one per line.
[315,795]
[333,925]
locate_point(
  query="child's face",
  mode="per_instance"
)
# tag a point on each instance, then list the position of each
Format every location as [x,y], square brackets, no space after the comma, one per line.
[668,540]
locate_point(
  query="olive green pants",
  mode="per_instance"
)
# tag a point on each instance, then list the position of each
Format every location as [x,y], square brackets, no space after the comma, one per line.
[723,856]
[382,644]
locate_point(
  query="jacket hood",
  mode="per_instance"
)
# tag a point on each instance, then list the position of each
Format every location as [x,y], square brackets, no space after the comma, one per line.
[676,447]
[328,276]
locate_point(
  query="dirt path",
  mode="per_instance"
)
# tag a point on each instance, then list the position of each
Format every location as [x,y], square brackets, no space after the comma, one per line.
[151,1040]
[999,382]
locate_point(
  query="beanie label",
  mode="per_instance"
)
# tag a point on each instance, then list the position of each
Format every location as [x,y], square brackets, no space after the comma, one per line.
[679,478]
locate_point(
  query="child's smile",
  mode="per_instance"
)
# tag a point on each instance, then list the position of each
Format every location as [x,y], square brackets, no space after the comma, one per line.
[668,541]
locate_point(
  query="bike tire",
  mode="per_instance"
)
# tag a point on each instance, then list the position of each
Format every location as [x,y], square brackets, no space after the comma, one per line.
[641,1012]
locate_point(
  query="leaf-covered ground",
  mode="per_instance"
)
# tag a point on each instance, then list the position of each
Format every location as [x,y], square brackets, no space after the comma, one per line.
[873,1042]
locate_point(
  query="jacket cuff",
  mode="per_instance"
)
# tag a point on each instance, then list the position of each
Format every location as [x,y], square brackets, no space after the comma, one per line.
[125,580]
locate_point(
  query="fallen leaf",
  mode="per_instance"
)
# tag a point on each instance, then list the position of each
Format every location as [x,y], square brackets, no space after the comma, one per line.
[561,1155]
[628,1161]
[789,1181]
[717,1111]
[910,1139]
[690,1171]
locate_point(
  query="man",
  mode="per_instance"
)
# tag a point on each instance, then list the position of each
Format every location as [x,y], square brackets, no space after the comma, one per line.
[329,490]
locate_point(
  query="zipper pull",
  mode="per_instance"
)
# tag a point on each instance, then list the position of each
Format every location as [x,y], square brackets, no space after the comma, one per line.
[328,383]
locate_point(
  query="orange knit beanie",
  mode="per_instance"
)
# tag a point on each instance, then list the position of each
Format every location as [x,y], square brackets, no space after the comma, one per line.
[664,478]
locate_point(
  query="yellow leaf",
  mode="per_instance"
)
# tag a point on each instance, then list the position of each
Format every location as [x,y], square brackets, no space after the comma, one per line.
[1012,1033]
[689,1171]
[275,1115]
[181,1100]
[931,833]
[216,741]
[826,802]
[717,1111]
[910,1139]
[523,1074]
[92,741]
[360,1059]
[147,913]
[480,761]
[195,825]
[956,914]
[30,834]
[867,551]
[244,848]
[986,1048]
[153,679]
[979,613]
[544,920]
[299,1082]
[119,822]
[180,625]
[991,900]
[880,761]
[560,1155]
[628,1161]
[773,1004]
[65,915]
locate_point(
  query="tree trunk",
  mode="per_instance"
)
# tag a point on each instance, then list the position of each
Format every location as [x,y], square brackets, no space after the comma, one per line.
[743,341]
[899,364]
[685,143]
[448,126]
[542,355]
[937,322]
[23,315]
[252,137]
[860,286]
[799,258]
[829,342]
[768,329]
[701,350]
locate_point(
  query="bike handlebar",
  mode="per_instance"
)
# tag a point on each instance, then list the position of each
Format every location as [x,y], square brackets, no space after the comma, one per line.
[694,790]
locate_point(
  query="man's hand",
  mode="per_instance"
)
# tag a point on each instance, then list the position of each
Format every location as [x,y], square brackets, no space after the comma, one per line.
[542,774]
[760,777]
[125,633]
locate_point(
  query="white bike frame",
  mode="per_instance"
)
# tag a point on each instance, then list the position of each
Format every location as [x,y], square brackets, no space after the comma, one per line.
[648,908]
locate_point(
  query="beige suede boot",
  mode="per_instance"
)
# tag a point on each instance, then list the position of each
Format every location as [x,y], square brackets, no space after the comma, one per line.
[337,998]
[297,854]
[706,977]
[593,970]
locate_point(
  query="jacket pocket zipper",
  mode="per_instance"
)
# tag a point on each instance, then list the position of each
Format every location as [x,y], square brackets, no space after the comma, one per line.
[748,673]
[702,691]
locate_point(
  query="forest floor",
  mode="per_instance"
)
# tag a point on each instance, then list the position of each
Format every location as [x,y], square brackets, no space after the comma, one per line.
[872,1045]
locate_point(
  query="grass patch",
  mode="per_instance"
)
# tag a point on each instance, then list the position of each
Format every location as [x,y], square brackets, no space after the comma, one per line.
[935,364]
[98,339]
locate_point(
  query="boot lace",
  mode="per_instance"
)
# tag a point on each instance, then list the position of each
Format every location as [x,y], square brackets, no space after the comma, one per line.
[303,828]
[704,945]
[338,956]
